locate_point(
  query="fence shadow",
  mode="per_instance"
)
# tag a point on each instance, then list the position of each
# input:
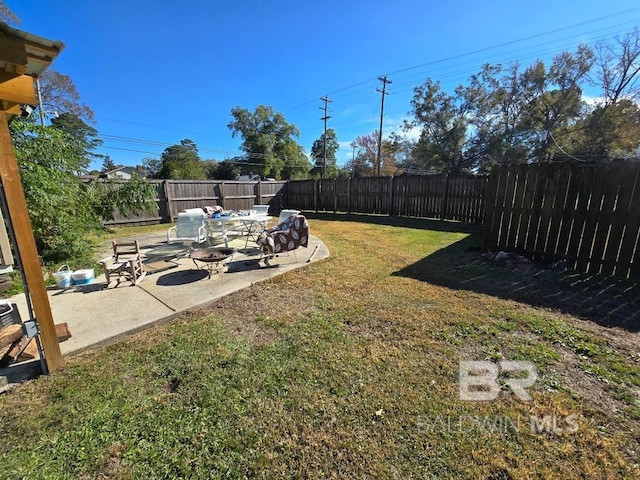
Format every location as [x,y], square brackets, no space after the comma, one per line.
[406,222]
[604,300]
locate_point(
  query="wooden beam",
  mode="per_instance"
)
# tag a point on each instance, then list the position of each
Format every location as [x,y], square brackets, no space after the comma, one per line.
[17,89]
[12,51]
[12,109]
[26,247]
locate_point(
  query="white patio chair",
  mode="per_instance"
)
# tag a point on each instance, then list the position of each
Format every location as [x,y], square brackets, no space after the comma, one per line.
[189,227]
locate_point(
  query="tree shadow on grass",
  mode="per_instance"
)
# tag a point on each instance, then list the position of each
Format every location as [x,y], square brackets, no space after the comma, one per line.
[406,222]
[604,300]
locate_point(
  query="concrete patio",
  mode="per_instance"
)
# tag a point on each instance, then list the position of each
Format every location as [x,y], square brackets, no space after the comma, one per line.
[97,315]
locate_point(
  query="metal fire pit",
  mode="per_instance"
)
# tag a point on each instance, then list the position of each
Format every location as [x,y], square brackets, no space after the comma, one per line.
[210,256]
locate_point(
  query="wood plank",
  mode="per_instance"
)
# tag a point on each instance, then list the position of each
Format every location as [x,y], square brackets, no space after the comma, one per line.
[569,212]
[600,180]
[18,89]
[625,267]
[507,206]
[537,202]
[520,176]
[489,237]
[530,179]
[546,209]
[583,178]
[603,229]
[562,176]
[13,52]
[26,247]
[623,180]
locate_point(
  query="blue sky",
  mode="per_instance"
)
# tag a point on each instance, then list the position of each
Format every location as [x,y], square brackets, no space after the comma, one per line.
[156,72]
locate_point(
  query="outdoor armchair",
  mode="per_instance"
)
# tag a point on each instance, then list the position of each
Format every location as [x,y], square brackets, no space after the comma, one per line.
[284,237]
[189,226]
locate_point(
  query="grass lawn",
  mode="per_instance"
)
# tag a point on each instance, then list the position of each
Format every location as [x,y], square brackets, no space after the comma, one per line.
[349,368]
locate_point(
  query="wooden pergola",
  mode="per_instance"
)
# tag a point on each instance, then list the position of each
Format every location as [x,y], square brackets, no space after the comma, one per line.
[23,57]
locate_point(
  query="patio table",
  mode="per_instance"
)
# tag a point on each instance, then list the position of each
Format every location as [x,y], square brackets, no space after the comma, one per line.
[249,223]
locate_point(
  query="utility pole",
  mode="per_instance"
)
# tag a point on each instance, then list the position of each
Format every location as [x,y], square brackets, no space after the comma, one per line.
[40,106]
[326,117]
[384,81]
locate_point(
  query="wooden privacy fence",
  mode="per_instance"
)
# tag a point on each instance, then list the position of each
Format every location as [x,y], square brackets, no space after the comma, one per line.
[434,196]
[585,215]
[173,196]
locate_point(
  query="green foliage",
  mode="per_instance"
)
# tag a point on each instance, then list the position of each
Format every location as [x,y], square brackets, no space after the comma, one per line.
[269,143]
[61,208]
[443,120]
[182,162]
[108,164]
[85,135]
[134,196]
[225,170]
[509,114]
[318,153]
[47,159]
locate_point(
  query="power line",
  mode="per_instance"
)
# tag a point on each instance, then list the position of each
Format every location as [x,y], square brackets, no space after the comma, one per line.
[484,49]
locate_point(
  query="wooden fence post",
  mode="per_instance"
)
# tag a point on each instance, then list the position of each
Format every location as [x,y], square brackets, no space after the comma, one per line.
[167,194]
[391,186]
[444,207]
[258,193]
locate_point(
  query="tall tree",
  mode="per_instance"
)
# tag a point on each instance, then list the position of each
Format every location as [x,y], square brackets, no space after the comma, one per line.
[60,95]
[182,162]
[268,142]
[85,135]
[108,164]
[554,99]
[363,163]
[611,127]
[497,107]
[330,144]
[225,170]
[618,67]
[443,120]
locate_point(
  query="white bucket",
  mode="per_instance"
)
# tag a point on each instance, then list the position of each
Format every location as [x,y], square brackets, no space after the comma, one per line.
[63,277]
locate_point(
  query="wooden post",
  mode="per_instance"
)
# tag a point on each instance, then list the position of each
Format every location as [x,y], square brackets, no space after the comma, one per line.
[167,195]
[316,187]
[259,193]
[26,246]
[391,187]
[444,208]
